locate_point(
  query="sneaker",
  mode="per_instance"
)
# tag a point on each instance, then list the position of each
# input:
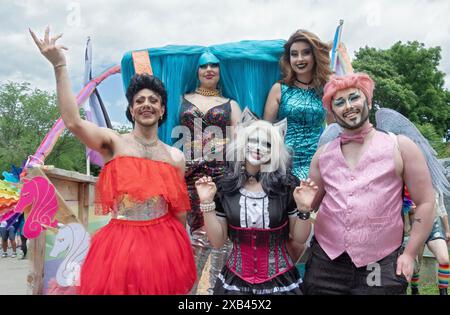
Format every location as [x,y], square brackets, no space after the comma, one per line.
[13,255]
[4,255]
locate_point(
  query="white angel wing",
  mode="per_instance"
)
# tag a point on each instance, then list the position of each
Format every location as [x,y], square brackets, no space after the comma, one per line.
[331,132]
[392,121]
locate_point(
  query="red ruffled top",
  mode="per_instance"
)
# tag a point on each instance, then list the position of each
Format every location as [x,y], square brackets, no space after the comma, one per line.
[140,179]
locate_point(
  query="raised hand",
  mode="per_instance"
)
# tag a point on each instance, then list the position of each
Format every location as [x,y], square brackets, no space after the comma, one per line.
[51,51]
[206,189]
[304,194]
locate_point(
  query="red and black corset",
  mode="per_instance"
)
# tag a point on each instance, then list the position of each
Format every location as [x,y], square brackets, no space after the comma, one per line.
[259,255]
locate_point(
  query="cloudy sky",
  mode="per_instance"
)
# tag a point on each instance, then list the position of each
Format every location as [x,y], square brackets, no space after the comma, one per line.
[115,27]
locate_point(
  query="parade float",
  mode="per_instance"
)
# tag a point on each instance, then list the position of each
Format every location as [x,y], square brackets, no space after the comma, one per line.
[58,204]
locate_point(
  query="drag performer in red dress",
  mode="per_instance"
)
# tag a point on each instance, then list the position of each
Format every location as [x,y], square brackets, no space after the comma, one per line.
[145,248]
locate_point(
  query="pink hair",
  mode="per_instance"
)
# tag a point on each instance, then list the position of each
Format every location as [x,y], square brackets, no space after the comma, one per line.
[336,83]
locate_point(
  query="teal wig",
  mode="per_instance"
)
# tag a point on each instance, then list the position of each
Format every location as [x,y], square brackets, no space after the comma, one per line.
[248,69]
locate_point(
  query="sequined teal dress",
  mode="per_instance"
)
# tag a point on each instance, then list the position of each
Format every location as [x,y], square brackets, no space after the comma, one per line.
[305,115]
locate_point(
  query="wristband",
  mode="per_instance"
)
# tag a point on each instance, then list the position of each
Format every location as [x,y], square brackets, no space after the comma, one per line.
[303,215]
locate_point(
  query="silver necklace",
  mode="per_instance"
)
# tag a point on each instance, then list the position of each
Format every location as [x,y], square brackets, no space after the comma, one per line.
[142,142]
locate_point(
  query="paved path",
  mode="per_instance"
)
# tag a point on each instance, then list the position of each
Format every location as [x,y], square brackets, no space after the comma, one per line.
[203,284]
[13,276]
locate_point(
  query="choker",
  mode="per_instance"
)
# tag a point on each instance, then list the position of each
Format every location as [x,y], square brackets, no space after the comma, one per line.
[251,177]
[206,92]
[304,83]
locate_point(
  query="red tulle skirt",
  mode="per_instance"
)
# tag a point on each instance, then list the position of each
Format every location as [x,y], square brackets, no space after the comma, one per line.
[139,257]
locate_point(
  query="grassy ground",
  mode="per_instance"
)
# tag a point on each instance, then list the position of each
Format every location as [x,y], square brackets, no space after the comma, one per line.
[427,289]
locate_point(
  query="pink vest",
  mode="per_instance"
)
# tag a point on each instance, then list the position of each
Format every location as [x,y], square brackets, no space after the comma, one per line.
[361,211]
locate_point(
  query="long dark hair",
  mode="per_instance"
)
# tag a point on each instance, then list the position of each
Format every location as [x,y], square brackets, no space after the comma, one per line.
[321,55]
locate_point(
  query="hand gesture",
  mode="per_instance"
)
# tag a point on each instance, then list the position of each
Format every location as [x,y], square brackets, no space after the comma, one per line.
[206,189]
[405,266]
[304,194]
[51,51]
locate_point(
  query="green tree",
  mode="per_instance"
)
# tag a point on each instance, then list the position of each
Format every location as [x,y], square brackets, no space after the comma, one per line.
[434,139]
[408,80]
[123,129]
[26,116]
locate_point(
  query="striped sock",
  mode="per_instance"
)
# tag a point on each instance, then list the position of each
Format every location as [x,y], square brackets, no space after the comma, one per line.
[443,276]
[415,280]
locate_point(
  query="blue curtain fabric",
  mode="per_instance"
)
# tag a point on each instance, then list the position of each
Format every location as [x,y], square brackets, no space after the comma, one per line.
[248,70]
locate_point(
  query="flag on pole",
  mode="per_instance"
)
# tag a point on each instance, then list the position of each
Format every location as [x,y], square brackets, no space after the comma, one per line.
[340,61]
[94,109]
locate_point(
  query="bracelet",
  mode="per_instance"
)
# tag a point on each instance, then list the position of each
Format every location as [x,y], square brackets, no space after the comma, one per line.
[303,215]
[61,65]
[208,207]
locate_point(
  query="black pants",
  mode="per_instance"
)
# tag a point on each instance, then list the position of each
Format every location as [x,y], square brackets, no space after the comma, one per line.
[341,277]
[23,247]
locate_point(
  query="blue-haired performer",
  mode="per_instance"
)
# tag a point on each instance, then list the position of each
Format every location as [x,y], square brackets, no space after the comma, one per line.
[201,111]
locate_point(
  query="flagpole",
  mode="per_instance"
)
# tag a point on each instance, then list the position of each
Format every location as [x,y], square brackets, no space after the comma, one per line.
[88,165]
[341,24]
[336,41]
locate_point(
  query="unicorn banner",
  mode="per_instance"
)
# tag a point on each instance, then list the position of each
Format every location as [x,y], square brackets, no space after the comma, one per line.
[60,247]
[66,248]
[40,195]
[68,251]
